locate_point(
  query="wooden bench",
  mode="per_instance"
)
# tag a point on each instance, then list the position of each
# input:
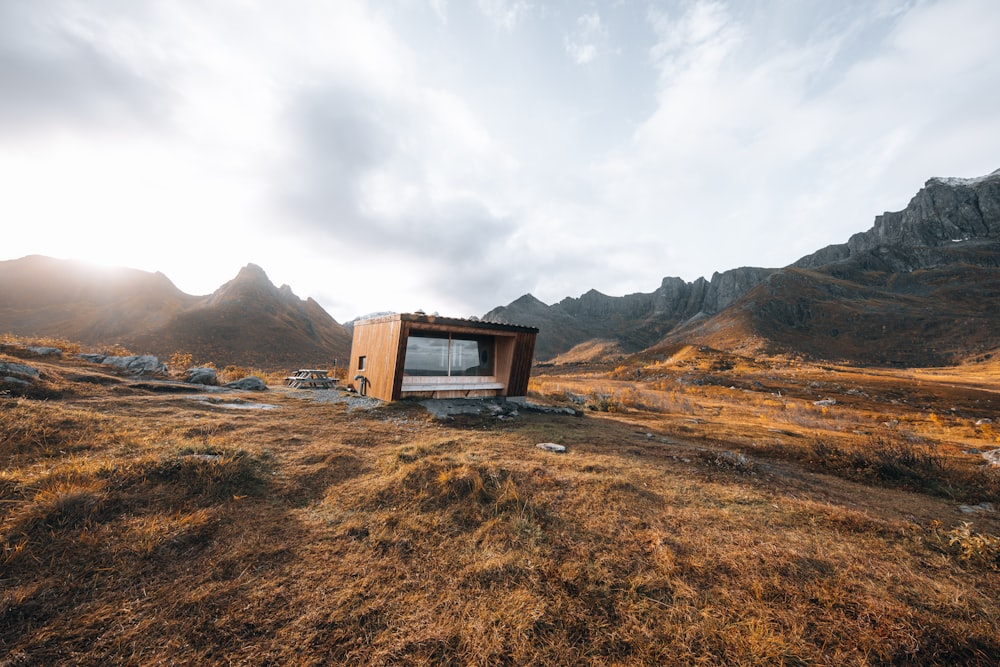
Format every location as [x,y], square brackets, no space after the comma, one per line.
[456,386]
[451,386]
[312,378]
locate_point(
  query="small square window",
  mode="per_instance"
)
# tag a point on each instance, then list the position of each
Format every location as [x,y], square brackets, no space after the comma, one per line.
[361,363]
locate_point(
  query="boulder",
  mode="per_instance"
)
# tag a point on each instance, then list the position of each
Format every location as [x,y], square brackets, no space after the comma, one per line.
[21,372]
[93,358]
[145,364]
[45,351]
[206,376]
[248,384]
[551,447]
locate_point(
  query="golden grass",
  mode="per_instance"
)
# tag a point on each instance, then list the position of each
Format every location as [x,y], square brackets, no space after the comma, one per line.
[138,528]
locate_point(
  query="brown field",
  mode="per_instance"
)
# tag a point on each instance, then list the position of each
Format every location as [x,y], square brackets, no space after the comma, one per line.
[707,511]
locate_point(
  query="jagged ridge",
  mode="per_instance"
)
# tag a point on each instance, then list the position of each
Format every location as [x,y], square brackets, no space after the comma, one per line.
[830,303]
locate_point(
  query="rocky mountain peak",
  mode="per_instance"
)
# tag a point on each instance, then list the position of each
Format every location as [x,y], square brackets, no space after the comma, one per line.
[286,293]
[961,182]
[250,283]
[521,307]
[252,273]
[944,213]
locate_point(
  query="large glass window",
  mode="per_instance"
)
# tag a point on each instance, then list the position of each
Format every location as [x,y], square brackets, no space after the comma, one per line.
[448,355]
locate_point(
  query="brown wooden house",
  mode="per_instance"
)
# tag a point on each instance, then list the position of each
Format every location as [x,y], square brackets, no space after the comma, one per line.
[426,356]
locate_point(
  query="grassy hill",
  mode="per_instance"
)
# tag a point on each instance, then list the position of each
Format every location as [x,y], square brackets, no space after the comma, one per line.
[707,511]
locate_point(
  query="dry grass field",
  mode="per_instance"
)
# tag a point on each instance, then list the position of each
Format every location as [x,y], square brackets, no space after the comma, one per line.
[710,509]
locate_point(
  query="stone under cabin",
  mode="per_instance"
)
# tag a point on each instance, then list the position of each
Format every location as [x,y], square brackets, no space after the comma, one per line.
[412,355]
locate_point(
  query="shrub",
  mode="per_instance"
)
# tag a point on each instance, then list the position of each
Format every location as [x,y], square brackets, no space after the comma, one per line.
[181,361]
[895,459]
[233,373]
[966,545]
[604,403]
[116,350]
[900,463]
[975,548]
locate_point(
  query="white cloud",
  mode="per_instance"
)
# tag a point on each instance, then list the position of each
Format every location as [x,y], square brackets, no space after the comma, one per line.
[505,13]
[792,144]
[440,8]
[589,39]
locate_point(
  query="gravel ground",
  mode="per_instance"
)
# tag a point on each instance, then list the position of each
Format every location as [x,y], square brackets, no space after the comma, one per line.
[353,401]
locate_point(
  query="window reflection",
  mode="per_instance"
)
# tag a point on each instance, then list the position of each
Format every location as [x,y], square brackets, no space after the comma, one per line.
[448,355]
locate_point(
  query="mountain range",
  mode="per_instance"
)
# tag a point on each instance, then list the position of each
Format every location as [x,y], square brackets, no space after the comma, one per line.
[248,321]
[920,288]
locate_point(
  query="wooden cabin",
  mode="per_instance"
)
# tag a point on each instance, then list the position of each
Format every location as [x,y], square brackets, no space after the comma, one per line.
[426,356]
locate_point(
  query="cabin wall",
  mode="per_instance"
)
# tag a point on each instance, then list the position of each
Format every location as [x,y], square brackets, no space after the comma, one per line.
[379,344]
[520,370]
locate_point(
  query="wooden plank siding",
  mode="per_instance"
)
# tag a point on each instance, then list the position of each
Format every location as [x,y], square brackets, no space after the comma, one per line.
[520,371]
[379,345]
[382,341]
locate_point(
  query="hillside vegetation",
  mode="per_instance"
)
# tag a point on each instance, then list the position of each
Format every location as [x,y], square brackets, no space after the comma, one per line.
[708,511]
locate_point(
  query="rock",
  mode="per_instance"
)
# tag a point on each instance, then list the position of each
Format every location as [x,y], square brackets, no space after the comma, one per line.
[825,402]
[974,450]
[93,358]
[981,508]
[12,380]
[984,421]
[551,447]
[45,351]
[137,364]
[251,383]
[206,376]
[993,457]
[444,408]
[552,410]
[22,372]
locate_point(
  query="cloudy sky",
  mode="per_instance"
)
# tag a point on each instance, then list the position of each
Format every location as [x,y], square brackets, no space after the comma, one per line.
[452,156]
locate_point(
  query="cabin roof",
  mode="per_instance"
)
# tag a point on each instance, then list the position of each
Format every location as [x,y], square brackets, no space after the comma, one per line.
[421,318]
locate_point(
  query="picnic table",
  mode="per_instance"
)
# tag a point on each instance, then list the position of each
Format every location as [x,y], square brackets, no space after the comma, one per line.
[311,377]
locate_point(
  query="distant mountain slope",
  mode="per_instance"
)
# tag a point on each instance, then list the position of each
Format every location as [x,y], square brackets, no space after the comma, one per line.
[46,296]
[247,321]
[634,321]
[921,287]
